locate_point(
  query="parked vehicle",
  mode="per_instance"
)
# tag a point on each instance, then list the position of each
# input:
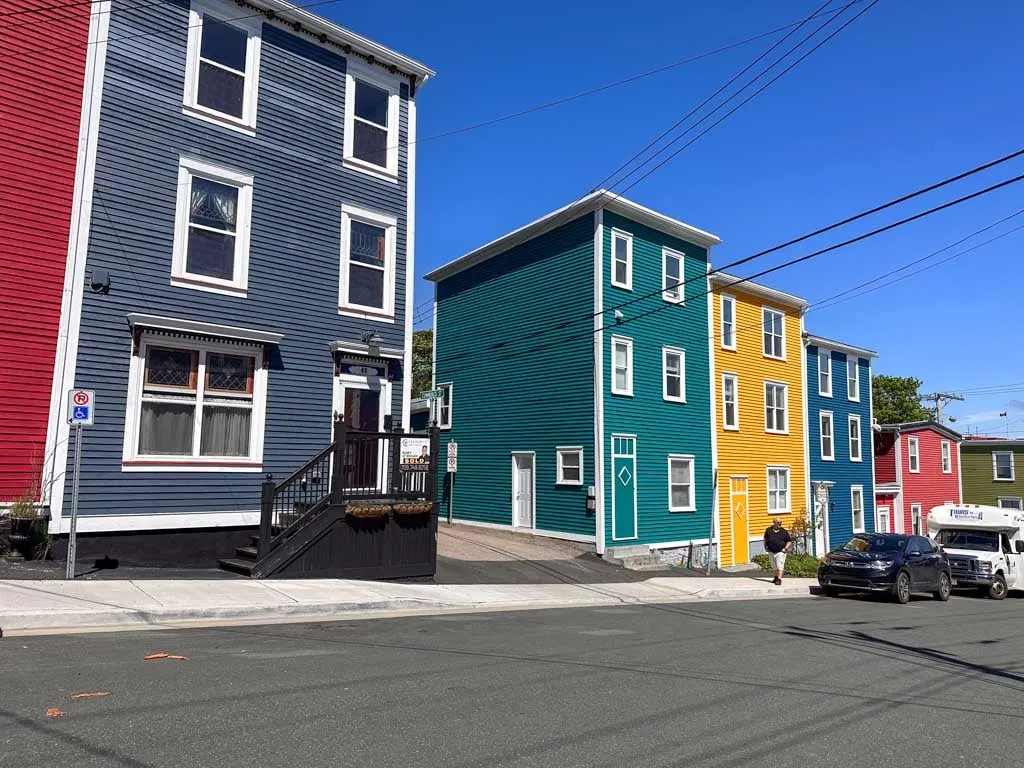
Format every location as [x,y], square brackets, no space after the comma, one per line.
[897,564]
[985,546]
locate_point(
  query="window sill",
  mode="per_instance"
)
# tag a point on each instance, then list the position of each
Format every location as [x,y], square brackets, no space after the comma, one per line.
[673,300]
[189,465]
[681,510]
[622,286]
[681,401]
[776,431]
[731,429]
[1001,479]
[217,118]
[825,394]
[361,166]
[857,461]
[853,399]
[621,394]
[828,458]
[199,284]
[365,314]
[569,483]
[729,349]
[773,357]
[773,512]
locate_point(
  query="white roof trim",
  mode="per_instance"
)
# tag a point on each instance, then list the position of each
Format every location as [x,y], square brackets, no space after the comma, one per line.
[202,329]
[732,283]
[575,209]
[357,348]
[838,346]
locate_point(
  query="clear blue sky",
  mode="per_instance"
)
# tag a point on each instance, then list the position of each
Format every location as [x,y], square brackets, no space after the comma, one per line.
[912,92]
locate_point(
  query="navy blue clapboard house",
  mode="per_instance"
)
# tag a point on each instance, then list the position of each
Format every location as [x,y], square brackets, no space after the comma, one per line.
[244,266]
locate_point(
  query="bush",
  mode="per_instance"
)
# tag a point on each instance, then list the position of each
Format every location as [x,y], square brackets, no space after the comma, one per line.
[796,565]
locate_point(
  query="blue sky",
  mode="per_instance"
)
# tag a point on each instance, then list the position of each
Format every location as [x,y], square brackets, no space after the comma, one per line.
[910,93]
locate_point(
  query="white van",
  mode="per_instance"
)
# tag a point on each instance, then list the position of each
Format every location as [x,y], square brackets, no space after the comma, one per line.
[985,546]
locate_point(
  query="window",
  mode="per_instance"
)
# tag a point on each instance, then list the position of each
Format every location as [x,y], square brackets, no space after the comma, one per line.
[1010,503]
[622,260]
[857,507]
[680,484]
[195,403]
[728,322]
[222,73]
[913,454]
[672,274]
[570,466]
[825,373]
[622,366]
[367,285]
[855,442]
[730,401]
[1002,466]
[915,519]
[775,396]
[774,333]
[827,436]
[674,374]
[947,459]
[852,379]
[444,406]
[211,228]
[371,121]
[778,490]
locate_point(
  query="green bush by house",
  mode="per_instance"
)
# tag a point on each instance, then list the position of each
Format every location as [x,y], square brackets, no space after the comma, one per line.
[796,565]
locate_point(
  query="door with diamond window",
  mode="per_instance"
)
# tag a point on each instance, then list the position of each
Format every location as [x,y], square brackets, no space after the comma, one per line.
[623,487]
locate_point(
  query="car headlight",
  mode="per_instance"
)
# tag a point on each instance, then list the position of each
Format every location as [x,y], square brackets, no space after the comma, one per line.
[985,567]
[881,564]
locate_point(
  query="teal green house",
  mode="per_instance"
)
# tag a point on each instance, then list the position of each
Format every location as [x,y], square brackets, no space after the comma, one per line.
[574,357]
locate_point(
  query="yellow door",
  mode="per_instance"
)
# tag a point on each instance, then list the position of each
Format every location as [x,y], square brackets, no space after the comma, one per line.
[740,524]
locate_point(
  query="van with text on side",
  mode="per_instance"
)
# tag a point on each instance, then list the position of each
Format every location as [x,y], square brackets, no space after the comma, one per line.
[985,546]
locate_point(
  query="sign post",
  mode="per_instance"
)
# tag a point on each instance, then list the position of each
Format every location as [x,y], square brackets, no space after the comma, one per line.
[81,413]
[453,467]
[433,395]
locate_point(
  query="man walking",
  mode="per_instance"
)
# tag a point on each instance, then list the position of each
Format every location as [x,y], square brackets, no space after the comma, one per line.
[777,542]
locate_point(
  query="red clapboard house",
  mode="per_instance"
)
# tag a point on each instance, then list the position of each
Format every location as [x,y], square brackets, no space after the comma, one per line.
[44,47]
[917,467]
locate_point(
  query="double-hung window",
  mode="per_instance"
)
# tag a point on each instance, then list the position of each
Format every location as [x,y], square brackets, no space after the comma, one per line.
[211,232]
[672,275]
[947,458]
[778,490]
[852,379]
[857,507]
[827,436]
[913,455]
[622,260]
[774,323]
[222,73]
[622,365]
[775,397]
[444,406]
[855,441]
[728,310]
[367,285]
[195,403]
[673,374]
[371,121]
[1002,466]
[730,401]
[680,484]
[825,373]
[569,466]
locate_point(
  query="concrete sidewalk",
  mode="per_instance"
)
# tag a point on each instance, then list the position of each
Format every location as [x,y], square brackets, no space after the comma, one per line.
[37,607]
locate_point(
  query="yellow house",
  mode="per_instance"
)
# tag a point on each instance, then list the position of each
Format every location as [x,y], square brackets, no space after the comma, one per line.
[760,407]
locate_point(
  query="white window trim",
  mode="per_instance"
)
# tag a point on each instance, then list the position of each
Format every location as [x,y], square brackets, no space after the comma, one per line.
[354,70]
[692,506]
[628,391]
[918,510]
[783,316]
[253,26]
[856,378]
[855,419]
[1018,499]
[1013,468]
[628,284]
[789,488]
[946,449]
[913,455]
[827,355]
[560,453]
[443,423]
[679,294]
[736,407]
[180,277]
[854,489]
[132,461]
[785,406]
[390,225]
[730,299]
[665,352]
[822,416]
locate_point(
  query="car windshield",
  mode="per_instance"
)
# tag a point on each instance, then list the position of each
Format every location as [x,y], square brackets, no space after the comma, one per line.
[980,541]
[871,544]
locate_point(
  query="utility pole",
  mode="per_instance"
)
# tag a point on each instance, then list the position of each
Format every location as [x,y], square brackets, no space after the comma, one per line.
[941,399]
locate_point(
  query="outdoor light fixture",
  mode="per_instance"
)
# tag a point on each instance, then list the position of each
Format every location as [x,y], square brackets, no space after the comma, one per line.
[372,341]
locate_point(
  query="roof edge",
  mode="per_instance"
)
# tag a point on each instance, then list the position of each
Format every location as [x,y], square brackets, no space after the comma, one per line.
[725,281]
[913,426]
[821,341]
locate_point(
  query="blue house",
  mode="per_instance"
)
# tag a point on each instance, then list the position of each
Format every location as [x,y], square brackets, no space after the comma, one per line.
[841,440]
[575,359]
[243,268]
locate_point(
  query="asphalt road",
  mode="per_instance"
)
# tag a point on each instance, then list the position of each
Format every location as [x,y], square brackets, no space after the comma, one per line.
[809,682]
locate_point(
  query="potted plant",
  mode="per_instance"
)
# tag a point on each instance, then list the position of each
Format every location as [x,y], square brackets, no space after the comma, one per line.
[414,508]
[28,532]
[368,511]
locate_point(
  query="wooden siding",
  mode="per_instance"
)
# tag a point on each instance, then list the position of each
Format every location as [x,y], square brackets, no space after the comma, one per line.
[980,487]
[529,395]
[300,186]
[661,428]
[750,450]
[40,110]
[884,446]
[930,487]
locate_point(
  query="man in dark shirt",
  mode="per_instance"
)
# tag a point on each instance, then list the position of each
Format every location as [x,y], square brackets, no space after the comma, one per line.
[777,542]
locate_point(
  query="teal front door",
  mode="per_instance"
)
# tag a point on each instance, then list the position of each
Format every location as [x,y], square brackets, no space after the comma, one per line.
[623,487]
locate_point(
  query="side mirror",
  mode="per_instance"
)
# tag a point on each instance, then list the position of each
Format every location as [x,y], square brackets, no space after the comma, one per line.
[1019,547]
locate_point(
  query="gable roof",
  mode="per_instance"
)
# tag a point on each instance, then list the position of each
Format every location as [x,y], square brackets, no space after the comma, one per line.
[726,281]
[838,346]
[917,426]
[603,199]
[994,442]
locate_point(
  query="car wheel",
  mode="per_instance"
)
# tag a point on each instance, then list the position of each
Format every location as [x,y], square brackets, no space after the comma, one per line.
[998,589]
[901,589]
[945,587]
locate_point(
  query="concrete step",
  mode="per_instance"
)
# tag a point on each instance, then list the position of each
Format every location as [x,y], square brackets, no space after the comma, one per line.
[246,553]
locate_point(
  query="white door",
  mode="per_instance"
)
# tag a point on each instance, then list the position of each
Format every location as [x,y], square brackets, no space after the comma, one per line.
[363,396]
[522,490]
[821,500]
[884,526]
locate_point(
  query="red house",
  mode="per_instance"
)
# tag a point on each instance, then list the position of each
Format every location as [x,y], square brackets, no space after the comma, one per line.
[45,49]
[917,467]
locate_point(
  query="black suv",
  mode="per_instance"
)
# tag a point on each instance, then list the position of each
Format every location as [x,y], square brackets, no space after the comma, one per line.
[894,563]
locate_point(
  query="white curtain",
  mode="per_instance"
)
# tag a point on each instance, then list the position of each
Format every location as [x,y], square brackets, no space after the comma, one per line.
[225,431]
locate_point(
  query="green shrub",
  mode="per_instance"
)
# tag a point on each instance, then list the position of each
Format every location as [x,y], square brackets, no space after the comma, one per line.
[796,565]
